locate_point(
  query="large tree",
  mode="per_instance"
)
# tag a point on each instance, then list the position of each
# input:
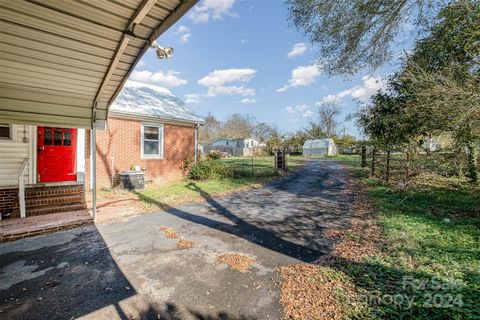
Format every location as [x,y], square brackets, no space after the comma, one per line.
[438,89]
[355,34]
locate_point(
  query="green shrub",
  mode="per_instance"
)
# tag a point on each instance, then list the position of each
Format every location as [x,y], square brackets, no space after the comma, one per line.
[200,171]
[214,155]
[207,169]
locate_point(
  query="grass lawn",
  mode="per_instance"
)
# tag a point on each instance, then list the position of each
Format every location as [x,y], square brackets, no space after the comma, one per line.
[428,264]
[178,192]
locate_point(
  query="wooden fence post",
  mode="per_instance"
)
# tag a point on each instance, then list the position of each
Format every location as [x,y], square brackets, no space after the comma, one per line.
[407,168]
[373,160]
[364,156]
[387,169]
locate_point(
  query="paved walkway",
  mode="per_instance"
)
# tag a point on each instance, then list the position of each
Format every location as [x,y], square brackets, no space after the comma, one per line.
[131,270]
[16,228]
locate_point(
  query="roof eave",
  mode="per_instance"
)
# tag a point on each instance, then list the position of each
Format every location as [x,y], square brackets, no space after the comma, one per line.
[151,118]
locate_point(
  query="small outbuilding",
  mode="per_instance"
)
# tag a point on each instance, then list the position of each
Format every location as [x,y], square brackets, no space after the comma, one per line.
[319,147]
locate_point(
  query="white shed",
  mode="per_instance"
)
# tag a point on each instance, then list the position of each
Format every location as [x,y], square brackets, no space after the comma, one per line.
[319,147]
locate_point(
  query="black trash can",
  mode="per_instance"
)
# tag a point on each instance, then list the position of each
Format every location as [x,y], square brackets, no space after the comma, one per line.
[131,180]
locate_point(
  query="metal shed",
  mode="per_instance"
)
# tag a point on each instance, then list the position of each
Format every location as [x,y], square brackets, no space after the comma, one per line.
[319,147]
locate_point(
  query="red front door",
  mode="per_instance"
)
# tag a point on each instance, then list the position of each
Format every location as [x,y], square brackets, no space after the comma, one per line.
[56,154]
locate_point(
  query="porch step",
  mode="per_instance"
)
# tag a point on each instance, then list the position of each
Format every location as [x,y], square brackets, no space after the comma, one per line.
[53,191]
[51,199]
[35,202]
[55,208]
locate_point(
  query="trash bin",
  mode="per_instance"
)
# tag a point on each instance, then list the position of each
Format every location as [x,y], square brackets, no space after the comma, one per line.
[131,180]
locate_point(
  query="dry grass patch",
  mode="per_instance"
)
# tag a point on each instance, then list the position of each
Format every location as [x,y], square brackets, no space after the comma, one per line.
[236,261]
[312,292]
[170,233]
[185,244]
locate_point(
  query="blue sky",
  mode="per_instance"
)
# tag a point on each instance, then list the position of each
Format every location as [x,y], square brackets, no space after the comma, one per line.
[244,57]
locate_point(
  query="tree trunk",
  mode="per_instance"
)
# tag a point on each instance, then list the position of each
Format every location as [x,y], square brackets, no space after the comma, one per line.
[472,162]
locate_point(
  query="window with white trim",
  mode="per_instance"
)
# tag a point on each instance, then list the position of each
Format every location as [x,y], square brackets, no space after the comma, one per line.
[152,140]
[5,131]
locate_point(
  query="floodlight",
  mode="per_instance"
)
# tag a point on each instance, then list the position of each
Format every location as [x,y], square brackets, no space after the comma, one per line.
[162,53]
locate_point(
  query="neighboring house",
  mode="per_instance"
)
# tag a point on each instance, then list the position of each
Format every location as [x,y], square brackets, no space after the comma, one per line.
[236,147]
[147,126]
[319,147]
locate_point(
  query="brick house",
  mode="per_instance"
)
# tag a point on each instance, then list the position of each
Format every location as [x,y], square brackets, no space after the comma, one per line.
[147,127]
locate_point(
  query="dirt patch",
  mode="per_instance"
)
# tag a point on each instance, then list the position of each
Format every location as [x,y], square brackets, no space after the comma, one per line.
[312,292]
[170,233]
[185,244]
[236,261]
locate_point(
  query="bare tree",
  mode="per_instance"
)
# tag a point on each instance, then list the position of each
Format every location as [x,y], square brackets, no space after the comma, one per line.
[211,130]
[327,112]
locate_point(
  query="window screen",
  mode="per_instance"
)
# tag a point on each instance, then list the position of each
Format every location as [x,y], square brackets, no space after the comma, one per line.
[152,140]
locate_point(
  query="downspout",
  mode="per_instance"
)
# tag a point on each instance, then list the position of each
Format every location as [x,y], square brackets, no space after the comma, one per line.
[196,144]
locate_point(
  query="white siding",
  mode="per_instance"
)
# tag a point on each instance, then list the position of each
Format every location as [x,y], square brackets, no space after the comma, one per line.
[12,153]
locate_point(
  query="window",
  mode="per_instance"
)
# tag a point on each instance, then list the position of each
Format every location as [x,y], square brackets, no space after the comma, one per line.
[152,141]
[5,131]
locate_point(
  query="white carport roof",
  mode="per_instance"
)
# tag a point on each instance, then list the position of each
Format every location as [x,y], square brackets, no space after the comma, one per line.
[62,63]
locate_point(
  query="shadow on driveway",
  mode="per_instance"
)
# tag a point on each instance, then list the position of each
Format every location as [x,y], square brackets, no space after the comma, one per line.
[71,274]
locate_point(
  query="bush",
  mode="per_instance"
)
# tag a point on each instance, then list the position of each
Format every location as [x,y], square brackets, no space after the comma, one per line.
[214,155]
[207,169]
[200,171]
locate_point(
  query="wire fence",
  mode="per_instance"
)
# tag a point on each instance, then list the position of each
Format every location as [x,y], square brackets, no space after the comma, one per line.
[401,165]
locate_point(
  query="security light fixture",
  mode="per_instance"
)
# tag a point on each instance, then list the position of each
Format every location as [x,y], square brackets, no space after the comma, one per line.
[162,53]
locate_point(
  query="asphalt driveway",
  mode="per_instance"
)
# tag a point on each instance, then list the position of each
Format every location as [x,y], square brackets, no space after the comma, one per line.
[131,270]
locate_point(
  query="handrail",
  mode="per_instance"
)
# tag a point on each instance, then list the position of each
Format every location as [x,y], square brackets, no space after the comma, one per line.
[21,188]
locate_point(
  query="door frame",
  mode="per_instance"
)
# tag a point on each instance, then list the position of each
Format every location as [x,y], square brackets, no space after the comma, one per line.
[34,158]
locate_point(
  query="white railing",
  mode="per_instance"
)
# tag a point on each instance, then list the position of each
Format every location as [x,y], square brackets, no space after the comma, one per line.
[21,188]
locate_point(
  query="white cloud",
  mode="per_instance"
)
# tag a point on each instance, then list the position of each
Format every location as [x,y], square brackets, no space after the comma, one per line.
[192,98]
[183,29]
[370,85]
[301,76]
[220,82]
[184,33]
[140,64]
[211,9]
[168,79]
[302,110]
[185,37]
[248,100]
[297,50]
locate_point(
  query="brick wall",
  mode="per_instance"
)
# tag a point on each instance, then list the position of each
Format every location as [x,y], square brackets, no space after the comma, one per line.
[8,198]
[41,199]
[122,142]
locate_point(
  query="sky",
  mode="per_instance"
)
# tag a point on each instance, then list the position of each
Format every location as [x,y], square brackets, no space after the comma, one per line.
[233,56]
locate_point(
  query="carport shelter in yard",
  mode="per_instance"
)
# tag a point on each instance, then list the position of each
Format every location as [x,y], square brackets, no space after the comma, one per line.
[62,65]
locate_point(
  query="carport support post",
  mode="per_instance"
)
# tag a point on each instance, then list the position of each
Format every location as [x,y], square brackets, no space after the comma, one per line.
[94,172]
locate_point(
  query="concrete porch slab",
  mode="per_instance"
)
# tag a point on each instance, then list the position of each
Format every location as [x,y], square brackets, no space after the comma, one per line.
[17,228]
